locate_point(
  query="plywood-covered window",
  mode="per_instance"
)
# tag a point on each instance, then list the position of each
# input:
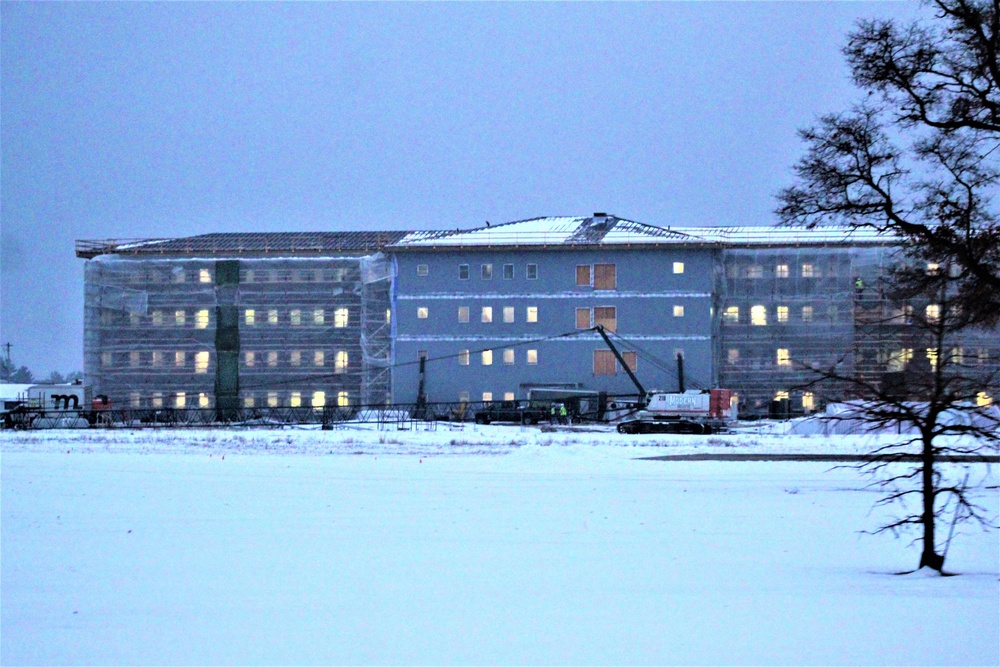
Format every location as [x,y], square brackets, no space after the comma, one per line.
[604,362]
[631,360]
[583,275]
[583,318]
[607,317]
[605,277]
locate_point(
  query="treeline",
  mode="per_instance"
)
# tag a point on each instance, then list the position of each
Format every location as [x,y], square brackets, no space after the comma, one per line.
[14,374]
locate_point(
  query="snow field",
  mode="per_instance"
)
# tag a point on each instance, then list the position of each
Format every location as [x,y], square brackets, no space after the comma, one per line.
[545,555]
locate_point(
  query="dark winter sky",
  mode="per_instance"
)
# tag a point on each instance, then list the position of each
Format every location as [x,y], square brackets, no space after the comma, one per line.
[124,120]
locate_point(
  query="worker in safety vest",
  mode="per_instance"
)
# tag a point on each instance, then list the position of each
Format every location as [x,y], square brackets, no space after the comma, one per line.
[859,286]
[563,418]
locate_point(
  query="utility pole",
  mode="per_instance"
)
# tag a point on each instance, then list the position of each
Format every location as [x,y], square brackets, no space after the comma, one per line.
[7,347]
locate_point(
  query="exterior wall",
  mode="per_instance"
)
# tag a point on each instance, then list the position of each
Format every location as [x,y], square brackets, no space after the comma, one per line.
[645,294]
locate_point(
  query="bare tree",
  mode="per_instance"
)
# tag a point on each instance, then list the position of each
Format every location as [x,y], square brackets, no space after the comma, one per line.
[918,160]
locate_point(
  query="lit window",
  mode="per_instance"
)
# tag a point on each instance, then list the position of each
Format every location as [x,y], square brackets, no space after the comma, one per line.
[250,359]
[678,267]
[463,357]
[508,314]
[295,316]
[272,316]
[341,317]
[487,357]
[604,362]
[133,358]
[733,357]
[463,271]
[508,271]
[899,360]
[135,399]
[203,400]
[583,318]
[201,319]
[531,271]
[157,399]
[248,402]
[295,400]
[758,315]
[421,269]
[201,362]
[487,271]
[678,311]
[340,361]
[755,271]
[343,399]
[463,314]
[250,316]
[487,396]
[933,268]
[180,400]
[487,314]
[781,396]
[158,318]
[388,315]
[605,277]
[933,313]
[807,313]
[319,399]
[508,396]
[782,314]
[932,357]
[180,317]
[319,316]
[179,358]
[272,399]
[606,316]
[272,359]
[319,357]
[731,314]
[204,276]
[583,275]
[808,401]
[157,358]
[957,355]
[531,357]
[422,313]
[295,358]
[531,314]
[781,271]
[984,400]
[105,358]
[508,356]
[808,271]
[783,357]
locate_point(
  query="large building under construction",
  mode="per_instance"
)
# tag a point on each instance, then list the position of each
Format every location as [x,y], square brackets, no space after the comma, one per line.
[230,321]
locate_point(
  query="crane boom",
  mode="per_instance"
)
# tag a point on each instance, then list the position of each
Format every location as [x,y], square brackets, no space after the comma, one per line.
[614,350]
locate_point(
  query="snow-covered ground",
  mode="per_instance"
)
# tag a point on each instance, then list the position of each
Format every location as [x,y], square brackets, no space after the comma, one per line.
[482,545]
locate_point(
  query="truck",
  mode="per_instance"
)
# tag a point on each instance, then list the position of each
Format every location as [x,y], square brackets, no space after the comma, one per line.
[684,411]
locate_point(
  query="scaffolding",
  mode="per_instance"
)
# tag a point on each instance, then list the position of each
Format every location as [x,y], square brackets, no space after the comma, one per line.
[237,333]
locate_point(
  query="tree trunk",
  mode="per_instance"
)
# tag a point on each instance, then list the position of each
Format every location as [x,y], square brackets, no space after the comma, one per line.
[929,557]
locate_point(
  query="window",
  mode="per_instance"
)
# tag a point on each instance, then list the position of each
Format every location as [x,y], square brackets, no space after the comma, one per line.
[783,357]
[583,275]
[531,314]
[808,271]
[583,318]
[180,399]
[807,313]
[606,316]
[421,269]
[295,400]
[272,399]
[933,268]
[135,399]
[531,357]
[487,396]
[463,271]
[201,319]
[508,356]
[678,267]
[487,271]
[755,271]
[134,319]
[508,396]
[758,315]
[319,357]
[463,357]
[201,362]
[272,316]
[272,359]
[487,314]
[605,277]
[340,361]
[422,313]
[157,399]
[781,396]
[180,317]
[531,271]
[250,316]
[631,360]
[248,402]
[249,359]
[983,400]
[463,314]
[203,400]
[388,315]
[832,313]
[487,357]
[319,399]
[508,271]
[295,358]
[781,271]
[604,362]
[341,317]
[933,313]
[932,357]
[319,316]
[158,318]
[678,311]
[782,314]
[179,276]
[105,358]
[157,358]
[463,396]
[179,358]
[247,278]
[733,357]
[808,401]
[296,317]
[899,360]
[204,276]
[508,314]
[134,358]
[731,315]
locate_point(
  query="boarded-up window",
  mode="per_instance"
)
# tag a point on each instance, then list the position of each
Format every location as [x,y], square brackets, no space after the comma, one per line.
[604,362]
[583,275]
[583,318]
[631,360]
[605,316]
[605,276]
